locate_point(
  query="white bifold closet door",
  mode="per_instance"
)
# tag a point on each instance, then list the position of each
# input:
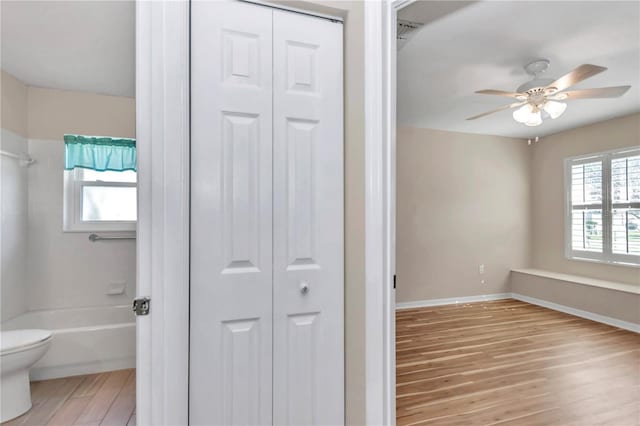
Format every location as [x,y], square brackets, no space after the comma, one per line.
[308,271]
[266,217]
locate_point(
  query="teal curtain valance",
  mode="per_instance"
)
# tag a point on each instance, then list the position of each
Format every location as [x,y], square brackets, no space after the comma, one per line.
[99,153]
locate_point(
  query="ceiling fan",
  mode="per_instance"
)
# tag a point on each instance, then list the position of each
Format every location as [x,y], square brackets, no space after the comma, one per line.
[540,96]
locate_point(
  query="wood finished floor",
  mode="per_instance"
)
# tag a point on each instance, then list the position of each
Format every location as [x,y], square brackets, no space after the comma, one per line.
[511,363]
[95,399]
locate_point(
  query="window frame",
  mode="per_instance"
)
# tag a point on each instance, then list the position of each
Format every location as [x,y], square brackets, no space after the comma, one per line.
[607,255]
[72,205]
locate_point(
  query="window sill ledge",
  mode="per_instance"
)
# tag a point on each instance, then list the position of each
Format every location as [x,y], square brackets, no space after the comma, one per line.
[603,262]
[577,279]
[131,231]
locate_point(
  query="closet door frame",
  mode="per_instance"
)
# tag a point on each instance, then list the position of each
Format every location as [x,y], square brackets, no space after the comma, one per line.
[163,144]
[162,133]
[380,207]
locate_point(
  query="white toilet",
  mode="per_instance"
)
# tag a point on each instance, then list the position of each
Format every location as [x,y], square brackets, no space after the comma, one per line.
[19,350]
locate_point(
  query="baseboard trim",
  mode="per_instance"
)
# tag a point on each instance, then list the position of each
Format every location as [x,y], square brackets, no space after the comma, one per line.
[579,313]
[55,372]
[452,301]
[534,301]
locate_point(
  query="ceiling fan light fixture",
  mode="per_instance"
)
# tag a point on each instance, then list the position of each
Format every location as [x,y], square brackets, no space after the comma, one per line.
[522,114]
[538,98]
[535,119]
[554,109]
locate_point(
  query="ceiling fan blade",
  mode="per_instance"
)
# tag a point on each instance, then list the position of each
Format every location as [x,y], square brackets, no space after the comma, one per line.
[601,92]
[577,75]
[502,108]
[502,93]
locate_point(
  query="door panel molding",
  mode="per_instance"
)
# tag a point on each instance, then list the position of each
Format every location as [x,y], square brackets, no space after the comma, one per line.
[308,221]
[267,233]
[231,214]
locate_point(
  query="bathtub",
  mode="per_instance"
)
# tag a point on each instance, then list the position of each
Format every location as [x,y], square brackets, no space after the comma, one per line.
[85,340]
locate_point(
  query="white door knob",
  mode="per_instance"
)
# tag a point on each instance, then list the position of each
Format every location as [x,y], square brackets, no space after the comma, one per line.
[304,287]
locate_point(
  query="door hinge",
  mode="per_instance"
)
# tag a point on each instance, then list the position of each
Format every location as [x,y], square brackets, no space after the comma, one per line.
[394,281]
[141,305]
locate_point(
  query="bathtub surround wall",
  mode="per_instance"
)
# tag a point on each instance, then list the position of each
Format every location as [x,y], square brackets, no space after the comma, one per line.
[13,231]
[13,198]
[65,270]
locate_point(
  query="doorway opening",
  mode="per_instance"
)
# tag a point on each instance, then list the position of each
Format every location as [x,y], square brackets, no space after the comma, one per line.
[473,314]
[69,212]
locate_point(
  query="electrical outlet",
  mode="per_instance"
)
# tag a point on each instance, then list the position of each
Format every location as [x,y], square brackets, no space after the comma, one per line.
[481,268]
[481,281]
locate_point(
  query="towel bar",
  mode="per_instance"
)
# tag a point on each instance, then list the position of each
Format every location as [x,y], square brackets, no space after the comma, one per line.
[95,237]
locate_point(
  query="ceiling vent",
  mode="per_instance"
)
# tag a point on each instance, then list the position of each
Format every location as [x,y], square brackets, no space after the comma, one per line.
[406,30]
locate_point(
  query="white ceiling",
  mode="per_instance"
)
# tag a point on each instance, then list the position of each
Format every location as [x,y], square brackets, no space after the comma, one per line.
[75,45]
[484,45]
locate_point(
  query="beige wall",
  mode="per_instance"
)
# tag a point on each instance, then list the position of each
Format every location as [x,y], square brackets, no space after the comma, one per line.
[52,113]
[602,301]
[462,200]
[353,14]
[14,104]
[547,183]
[510,214]
[354,213]
[39,113]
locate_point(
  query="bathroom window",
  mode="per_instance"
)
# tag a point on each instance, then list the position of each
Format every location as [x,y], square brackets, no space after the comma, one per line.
[99,200]
[99,183]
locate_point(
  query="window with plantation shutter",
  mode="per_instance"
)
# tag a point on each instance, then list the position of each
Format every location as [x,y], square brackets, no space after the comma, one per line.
[603,207]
